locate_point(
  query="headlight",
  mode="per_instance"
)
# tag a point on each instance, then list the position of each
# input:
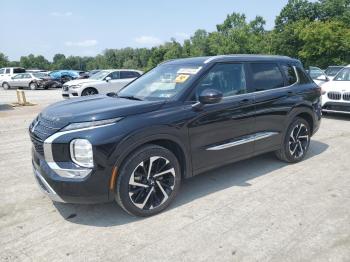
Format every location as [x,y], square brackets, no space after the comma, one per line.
[81,152]
[92,124]
[75,86]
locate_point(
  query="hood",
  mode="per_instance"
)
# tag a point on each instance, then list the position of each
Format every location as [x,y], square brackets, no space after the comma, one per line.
[80,81]
[339,86]
[97,107]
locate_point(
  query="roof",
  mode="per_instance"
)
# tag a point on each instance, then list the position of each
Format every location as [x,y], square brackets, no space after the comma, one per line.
[227,58]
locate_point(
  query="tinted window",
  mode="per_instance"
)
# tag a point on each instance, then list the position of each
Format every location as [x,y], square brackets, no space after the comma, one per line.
[226,78]
[290,74]
[114,75]
[266,76]
[18,70]
[8,70]
[128,74]
[2,71]
[303,77]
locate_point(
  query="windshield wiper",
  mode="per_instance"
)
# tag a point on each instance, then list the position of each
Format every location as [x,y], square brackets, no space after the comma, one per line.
[131,98]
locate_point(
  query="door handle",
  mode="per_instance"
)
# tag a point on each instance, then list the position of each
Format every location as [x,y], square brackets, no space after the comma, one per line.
[245,101]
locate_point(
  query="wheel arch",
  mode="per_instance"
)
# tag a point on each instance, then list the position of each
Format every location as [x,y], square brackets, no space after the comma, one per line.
[170,142]
[304,112]
[89,87]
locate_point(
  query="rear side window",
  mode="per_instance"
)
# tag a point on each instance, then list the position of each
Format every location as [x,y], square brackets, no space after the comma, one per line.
[128,74]
[303,78]
[290,74]
[8,70]
[2,71]
[266,76]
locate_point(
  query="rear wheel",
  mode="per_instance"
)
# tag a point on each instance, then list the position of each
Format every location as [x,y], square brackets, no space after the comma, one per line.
[89,92]
[148,181]
[6,86]
[296,142]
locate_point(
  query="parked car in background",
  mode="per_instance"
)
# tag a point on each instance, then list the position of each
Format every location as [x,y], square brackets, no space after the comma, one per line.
[336,93]
[318,75]
[57,78]
[92,72]
[7,72]
[182,118]
[103,82]
[332,71]
[25,80]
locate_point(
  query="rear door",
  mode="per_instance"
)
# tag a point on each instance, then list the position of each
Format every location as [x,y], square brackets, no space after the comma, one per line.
[274,86]
[126,77]
[221,133]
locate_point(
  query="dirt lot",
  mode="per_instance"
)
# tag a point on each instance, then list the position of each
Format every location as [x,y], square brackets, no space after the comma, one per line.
[256,210]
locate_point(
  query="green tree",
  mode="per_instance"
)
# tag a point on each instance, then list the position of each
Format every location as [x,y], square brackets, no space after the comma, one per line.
[325,43]
[3,60]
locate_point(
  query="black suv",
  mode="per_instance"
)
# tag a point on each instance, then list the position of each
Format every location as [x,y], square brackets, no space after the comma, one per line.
[180,119]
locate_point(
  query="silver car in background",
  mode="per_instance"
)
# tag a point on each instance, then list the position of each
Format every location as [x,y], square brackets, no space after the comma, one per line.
[25,80]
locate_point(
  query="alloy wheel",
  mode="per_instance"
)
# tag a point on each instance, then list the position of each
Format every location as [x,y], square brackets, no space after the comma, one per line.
[151,183]
[299,140]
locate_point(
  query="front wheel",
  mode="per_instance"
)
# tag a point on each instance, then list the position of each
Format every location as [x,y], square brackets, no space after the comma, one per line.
[33,86]
[89,92]
[148,181]
[6,86]
[296,142]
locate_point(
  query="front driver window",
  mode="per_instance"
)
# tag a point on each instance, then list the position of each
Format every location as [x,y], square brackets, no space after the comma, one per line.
[229,79]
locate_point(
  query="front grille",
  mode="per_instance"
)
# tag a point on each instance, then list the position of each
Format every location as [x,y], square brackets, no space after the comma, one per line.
[43,128]
[38,145]
[346,96]
[334,95]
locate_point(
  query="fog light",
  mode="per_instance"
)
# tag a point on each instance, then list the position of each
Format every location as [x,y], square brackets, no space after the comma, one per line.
[81,152]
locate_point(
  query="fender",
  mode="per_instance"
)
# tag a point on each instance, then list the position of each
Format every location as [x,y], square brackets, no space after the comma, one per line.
[144,136]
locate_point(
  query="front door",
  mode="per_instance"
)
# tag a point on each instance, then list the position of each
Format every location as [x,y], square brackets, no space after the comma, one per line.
[223,132]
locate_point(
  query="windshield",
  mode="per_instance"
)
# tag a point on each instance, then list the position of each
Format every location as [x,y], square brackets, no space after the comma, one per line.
[332,71]
[343,75]
[161,83]
[100,75]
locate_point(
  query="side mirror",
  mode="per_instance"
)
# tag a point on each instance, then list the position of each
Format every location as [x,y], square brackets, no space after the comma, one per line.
[108,78]
[208,96]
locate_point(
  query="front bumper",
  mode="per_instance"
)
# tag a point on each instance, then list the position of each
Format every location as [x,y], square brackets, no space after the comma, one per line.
[88,190]
[69,92]
[342,105]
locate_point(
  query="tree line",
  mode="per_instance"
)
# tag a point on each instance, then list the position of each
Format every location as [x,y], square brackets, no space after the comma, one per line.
[317,33]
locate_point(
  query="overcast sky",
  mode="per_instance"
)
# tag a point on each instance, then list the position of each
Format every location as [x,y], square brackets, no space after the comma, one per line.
[88,27]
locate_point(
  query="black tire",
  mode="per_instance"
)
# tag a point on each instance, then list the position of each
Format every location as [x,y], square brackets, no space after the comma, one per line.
[6,86]
[33,86]
[149,195]
[89,92]
[296,141]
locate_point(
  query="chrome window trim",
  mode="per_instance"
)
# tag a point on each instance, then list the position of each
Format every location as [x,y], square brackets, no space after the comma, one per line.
[263,91]
[249,139]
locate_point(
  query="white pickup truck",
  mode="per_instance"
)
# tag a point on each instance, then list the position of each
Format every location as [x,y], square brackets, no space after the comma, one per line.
[8,72]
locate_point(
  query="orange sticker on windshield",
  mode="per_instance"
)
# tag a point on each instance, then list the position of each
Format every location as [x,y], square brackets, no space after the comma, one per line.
[181,78]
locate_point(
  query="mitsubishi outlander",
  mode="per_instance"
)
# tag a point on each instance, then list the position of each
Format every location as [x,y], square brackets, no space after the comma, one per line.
[180,119]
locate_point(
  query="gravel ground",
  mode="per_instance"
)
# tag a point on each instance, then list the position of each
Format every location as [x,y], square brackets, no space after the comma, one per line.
[255,210]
